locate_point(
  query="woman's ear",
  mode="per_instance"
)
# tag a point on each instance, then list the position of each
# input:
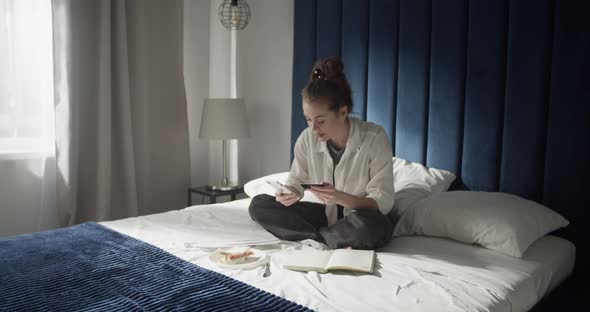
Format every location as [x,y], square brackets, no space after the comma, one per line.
[343,111]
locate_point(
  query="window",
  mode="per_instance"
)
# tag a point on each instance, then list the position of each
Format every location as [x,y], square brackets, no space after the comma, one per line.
[26,77]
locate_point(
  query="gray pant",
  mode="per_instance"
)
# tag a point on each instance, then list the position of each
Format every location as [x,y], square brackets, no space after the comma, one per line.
[362,229]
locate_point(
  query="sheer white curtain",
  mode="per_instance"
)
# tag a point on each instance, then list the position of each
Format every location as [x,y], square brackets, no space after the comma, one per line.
[96,130]
[27,163]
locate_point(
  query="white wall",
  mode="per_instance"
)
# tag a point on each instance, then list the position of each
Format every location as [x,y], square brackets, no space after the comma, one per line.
[19,197]
[196,79]
[265,55]
[21,192]
[264,61]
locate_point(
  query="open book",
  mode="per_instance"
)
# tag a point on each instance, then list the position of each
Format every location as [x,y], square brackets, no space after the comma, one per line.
[337,259]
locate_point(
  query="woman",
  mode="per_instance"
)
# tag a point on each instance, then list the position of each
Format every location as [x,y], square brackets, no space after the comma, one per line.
[352,159]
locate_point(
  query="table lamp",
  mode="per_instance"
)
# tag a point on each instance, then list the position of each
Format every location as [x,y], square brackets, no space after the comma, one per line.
[224,119]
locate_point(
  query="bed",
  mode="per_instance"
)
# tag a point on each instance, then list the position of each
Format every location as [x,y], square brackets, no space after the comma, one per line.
[414,273]
[162,261]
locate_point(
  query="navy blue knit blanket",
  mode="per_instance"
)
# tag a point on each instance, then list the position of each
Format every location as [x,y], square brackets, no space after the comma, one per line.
[89,267]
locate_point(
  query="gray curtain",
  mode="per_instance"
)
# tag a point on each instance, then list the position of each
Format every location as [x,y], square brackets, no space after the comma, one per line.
[121,124]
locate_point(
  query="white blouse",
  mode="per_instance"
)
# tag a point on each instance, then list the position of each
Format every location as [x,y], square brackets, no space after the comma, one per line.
[365,169]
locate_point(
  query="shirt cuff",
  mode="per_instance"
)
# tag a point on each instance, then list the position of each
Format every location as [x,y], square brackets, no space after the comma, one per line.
[384,202]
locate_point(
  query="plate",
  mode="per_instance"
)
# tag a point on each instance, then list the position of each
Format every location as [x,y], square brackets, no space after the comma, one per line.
[258,258]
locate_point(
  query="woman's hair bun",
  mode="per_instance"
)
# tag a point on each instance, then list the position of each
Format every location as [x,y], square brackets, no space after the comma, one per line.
[328,83]
[330,68]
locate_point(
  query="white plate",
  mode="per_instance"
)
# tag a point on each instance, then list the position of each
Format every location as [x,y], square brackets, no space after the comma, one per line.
[257,259]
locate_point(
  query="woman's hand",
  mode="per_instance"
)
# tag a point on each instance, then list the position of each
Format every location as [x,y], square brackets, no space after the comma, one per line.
[327,193]
[286,199]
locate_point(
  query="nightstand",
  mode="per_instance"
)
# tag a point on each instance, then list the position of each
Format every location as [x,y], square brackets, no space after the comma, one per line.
[204,191]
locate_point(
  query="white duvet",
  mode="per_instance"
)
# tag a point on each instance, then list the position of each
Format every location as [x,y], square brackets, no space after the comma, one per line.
[411,273]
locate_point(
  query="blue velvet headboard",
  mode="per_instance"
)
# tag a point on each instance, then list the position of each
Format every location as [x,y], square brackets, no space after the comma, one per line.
[496,91]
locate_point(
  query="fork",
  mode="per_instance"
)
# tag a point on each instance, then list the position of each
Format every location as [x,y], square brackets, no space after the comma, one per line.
[267,272]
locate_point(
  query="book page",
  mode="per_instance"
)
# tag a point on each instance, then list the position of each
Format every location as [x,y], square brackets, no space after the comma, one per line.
[351,259]
[307,260]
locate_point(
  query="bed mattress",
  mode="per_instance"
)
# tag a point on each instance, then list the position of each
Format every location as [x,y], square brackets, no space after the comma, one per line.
[413,273]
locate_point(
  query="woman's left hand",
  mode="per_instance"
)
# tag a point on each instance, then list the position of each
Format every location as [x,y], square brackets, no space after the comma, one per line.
[326,193]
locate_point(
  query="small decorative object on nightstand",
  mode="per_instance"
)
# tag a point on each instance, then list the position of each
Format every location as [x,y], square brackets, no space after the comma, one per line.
[212,194]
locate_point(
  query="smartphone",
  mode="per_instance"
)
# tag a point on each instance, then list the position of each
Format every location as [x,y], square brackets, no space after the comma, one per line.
[280,187]
[306,186]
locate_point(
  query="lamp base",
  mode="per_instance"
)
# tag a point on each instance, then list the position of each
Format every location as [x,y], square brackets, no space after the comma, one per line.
[222,188]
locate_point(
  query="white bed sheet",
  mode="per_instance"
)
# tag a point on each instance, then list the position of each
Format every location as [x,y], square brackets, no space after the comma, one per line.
[412,273]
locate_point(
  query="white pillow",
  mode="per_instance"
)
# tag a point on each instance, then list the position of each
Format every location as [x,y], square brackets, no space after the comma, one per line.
[502,222]
[414,181]
[407,174]
[259,186]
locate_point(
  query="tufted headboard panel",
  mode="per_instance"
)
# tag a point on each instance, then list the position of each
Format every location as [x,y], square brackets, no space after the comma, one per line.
[496,91]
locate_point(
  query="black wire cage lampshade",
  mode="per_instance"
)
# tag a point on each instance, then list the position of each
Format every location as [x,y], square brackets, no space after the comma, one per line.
[234,14]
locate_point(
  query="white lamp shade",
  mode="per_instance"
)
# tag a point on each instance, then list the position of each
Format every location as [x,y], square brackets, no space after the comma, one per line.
[224,119]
